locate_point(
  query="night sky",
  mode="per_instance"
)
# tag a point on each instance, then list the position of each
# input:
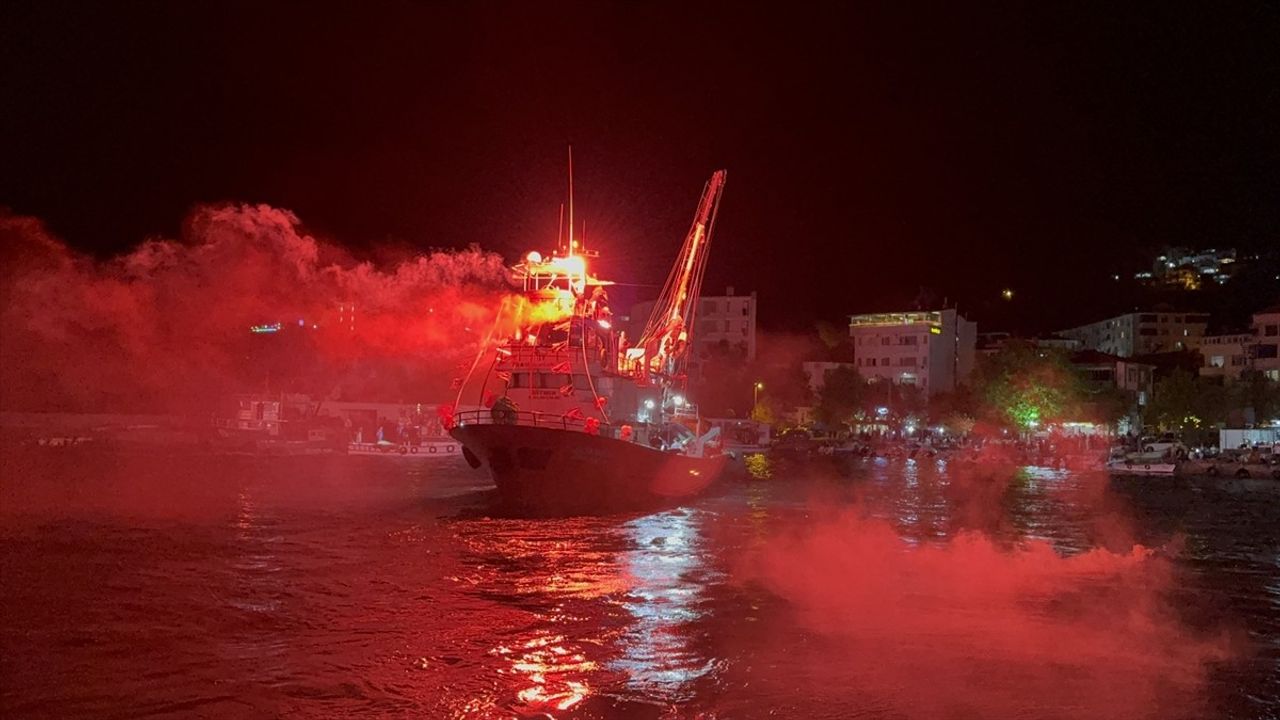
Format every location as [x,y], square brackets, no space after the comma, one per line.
[871,151]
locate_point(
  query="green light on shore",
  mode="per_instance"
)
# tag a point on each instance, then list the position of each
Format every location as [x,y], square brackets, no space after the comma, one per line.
[1024,414]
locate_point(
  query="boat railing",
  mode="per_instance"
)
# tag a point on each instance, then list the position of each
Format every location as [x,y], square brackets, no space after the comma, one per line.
[531,418]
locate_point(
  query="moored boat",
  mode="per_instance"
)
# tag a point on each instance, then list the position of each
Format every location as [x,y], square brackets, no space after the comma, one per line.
[1160,468]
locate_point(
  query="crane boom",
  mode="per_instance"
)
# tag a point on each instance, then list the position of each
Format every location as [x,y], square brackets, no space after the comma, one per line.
[669,330]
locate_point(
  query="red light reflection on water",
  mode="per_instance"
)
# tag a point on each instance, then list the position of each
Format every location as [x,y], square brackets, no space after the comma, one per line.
[555,670]
[604,607]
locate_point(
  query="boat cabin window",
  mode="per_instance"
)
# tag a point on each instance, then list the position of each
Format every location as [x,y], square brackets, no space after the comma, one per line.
[519,380]
[553,381]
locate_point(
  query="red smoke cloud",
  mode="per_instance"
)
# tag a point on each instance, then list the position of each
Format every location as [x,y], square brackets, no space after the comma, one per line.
[968,628]
[167,324]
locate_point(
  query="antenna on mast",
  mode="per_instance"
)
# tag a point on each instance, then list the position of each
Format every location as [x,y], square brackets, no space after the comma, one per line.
[571,199]
[560,229]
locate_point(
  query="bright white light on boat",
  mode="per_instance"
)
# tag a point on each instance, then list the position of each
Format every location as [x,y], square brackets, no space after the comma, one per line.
[678,400]
[648,404]
[911,429]
[882,411]
[534,257]
[604,324]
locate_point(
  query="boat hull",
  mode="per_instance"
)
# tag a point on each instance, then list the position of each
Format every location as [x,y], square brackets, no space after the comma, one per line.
[564,471]
[1153,469]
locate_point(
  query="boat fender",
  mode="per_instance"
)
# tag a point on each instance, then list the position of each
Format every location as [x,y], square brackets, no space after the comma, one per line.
[404,450]
[1146,467]
[431,449]
[1243,474]
[471,458]
[450,448]
[413,449]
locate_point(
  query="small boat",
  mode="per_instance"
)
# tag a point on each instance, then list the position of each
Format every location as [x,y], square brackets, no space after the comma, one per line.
[434,448]
[1129,466]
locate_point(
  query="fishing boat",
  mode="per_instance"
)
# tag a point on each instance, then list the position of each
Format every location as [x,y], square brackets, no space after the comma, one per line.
[572,416]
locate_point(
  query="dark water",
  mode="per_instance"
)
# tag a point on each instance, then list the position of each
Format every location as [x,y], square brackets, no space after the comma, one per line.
[194,586]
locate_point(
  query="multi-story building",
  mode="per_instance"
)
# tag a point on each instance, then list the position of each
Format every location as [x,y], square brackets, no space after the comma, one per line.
[1229,356]
[993,342]
[1225,356]
[1100,370]
[932,350]
[1141,333]
[1265,357]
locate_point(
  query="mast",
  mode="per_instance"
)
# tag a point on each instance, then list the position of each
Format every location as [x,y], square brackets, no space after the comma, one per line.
[570,200]
[669,330]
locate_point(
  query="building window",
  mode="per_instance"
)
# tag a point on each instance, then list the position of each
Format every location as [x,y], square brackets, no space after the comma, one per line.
[909,340]
[907,361]
[884,362]
[1146,331]
[884,340]
[1270,330]
[1217,361]
[1266,351]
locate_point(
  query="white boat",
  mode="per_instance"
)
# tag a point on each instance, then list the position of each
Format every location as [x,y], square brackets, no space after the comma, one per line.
[427,449]
[1137,465]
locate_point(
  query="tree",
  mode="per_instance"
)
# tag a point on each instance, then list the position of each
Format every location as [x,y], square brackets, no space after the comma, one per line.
[1181,401]
[842,393]
[1257,392]
[763,412]
[1026,386]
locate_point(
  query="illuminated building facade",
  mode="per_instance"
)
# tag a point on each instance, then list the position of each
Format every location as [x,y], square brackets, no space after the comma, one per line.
[1229,356]
[1141,333]
[1189,269]
[932,350]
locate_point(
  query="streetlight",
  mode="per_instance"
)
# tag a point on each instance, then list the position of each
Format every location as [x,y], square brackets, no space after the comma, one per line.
[755,396]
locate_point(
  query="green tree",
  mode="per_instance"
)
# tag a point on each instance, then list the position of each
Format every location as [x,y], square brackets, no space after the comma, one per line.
[1026,386]
[1181,401]
[842,393]
[1257,392]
